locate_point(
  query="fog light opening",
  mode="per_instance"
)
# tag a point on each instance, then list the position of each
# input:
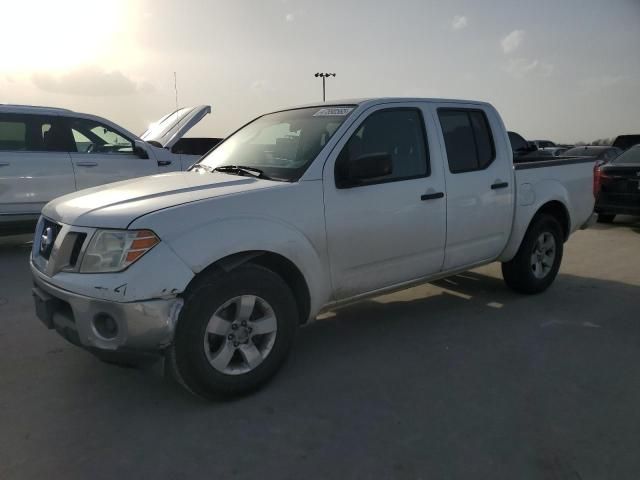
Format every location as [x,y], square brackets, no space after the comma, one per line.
[105,326]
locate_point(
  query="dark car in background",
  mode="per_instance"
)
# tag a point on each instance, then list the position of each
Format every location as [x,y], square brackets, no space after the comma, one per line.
[549,152]
[543,143]
[616,186]
[598,152]
[520,146]
[624,142]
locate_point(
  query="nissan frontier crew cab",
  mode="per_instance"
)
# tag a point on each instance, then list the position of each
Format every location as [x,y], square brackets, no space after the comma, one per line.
[299,211]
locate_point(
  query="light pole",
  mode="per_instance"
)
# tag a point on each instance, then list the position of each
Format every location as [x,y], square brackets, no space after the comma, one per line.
[324,76]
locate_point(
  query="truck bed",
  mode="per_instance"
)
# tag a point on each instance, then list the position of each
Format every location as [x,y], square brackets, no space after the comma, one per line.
[567,181]
[540,162]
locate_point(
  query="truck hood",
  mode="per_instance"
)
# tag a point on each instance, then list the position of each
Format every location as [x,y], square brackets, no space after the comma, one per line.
[116,205]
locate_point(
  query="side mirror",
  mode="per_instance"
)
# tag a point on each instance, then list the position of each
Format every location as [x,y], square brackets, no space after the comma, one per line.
[140,150]
[354,171]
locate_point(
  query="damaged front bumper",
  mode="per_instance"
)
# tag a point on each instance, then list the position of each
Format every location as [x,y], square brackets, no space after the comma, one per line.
[145,327]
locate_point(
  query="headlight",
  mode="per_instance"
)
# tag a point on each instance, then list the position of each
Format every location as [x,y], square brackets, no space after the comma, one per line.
[115,250]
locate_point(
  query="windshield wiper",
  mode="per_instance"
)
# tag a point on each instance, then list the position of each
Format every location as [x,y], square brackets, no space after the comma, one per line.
[242,170]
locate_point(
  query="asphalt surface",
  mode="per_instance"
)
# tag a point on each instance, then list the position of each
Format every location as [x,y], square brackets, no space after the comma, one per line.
[458,379]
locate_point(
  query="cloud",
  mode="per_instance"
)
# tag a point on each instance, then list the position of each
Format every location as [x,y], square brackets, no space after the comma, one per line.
[511,42]
[289,17]
[591,85]
[459,22]
[522,67]
[258,85]
[90,81]
[261,86]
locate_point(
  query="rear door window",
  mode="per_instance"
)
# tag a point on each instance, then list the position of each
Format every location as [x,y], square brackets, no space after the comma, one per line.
[468,139]
[34,133]
[13,134]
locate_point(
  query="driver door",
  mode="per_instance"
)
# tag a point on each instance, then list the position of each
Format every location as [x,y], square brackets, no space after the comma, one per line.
[104,155]
[392,229]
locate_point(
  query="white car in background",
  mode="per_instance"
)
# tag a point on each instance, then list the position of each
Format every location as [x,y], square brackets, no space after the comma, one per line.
[48,152]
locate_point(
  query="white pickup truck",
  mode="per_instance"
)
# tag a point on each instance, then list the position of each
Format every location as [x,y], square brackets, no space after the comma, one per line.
[299,211]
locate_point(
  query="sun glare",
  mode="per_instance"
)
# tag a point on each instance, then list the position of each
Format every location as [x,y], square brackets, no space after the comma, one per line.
[47,35]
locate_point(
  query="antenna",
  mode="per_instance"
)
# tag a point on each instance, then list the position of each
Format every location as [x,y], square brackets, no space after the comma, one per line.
[175,87]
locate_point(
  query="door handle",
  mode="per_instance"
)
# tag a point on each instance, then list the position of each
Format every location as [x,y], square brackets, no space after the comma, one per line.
[4,164]
[164,163]
[87,164]
[432,196]
[498,185]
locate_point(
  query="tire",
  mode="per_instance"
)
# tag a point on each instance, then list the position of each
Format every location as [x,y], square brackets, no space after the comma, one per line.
[603,218]
[524,275]
[203,356]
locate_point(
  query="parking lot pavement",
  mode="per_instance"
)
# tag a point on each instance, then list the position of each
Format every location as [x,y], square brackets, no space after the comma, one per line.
[459,379]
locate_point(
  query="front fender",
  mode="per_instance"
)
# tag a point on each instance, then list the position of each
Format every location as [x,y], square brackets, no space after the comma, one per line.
[206,244]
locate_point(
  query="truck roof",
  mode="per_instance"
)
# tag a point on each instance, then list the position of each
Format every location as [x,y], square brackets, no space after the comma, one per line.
[378,100]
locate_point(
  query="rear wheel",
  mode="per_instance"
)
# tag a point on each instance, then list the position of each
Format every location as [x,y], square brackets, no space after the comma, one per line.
[537,262]
[235,331]
[603,218]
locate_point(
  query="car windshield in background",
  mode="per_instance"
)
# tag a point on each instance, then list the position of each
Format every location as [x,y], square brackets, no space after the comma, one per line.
[585,151]
[631,156]
[282,144]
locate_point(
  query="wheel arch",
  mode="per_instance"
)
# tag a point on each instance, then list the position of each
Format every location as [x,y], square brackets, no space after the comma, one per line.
[275,262]
[555,207]
[559,211]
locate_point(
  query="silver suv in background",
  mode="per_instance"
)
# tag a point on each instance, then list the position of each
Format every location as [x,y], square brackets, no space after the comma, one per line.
[48,152]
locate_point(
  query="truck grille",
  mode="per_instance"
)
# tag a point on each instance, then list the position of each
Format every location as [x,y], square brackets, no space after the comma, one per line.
[58,247]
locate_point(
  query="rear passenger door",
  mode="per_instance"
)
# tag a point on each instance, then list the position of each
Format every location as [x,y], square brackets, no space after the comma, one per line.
[479,174]
[35,166]
[101,154]
[390,229]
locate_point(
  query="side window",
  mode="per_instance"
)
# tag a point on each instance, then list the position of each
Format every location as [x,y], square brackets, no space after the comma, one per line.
[13,133]
[92,137]
[467,138]
[399,133]
[33,133]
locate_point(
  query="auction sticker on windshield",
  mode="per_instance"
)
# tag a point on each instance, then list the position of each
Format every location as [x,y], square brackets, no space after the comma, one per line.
[333,112]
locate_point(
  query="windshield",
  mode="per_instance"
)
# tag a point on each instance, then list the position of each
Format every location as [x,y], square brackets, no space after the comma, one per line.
[585,151]
[631,156]
[282,144]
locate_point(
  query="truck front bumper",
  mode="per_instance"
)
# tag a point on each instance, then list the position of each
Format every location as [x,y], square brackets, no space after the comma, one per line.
[144,327]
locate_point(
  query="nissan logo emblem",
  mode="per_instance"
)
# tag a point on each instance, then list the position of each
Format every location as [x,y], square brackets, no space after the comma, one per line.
[46,239]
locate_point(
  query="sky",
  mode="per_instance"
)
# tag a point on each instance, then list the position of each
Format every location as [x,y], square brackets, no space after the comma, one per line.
[565,70]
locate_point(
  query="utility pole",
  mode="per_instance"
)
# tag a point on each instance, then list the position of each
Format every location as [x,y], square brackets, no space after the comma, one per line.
[324,77]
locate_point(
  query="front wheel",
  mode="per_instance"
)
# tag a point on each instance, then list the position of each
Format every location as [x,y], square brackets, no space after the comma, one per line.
[234,332]
[537,262]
